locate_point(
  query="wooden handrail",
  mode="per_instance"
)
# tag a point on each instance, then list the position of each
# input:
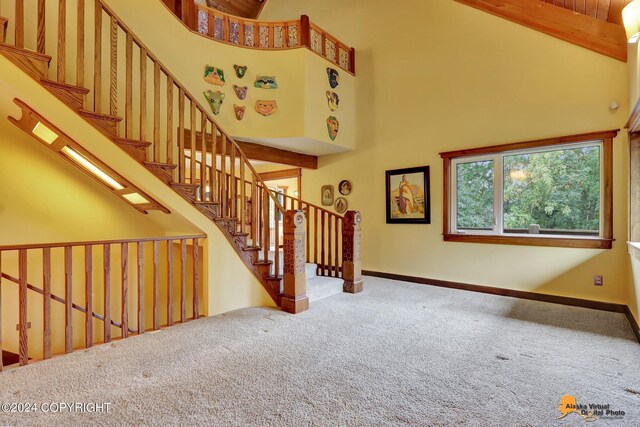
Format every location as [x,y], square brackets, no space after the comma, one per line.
[26,255]
[303,36]
[182,89]
[320,208]
[150,136]
[98,242]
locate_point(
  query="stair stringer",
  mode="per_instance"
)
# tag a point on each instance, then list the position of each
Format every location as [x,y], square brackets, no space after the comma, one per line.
[230,285]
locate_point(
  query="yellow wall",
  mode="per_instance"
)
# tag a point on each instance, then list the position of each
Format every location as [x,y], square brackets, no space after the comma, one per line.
[634,260]
[301,77]
[45,200]
[435,76]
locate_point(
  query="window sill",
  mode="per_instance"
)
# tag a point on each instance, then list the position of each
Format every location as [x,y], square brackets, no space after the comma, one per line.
[559,242]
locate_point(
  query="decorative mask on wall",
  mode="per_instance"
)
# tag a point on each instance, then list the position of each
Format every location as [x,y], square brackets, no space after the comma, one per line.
[215,100]
[239,111]
[266,82]
[241,91]
[333,100]
[334,77]
[213,75]
[266,108]
[241,70]
[332,127]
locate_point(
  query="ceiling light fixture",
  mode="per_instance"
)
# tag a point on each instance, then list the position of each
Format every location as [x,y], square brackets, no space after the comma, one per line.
[135,198]
[99,173]
[50,136]
[44,133]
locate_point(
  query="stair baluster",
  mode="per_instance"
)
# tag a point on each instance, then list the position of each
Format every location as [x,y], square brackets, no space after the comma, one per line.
[19,258]
[238,200]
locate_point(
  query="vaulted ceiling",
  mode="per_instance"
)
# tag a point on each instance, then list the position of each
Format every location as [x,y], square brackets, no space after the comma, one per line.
[606,10]
[244,8]
[592,24]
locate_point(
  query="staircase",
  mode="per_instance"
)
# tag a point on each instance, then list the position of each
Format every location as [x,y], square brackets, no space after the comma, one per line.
[140,106]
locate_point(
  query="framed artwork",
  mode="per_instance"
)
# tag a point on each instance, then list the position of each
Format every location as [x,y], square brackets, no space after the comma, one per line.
[327,195]
[344,187]
[341,205]
[408,196]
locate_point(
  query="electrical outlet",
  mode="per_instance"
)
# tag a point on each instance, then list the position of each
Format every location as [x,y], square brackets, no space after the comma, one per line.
[598,280]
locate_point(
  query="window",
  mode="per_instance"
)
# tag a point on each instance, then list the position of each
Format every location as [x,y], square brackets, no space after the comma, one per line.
[553,192]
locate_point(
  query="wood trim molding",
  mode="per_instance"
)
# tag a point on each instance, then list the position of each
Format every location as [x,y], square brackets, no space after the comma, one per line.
[633,124]
[594,34]
[523,145]
[554,299]
[534,296]
[604,242]
[585,243]
[632,322]
[282,174]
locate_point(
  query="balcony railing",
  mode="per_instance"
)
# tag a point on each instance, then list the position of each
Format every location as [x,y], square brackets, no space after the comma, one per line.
[268,35]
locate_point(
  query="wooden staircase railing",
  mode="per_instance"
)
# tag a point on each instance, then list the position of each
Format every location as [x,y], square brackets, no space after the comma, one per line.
[324,236]
[136,102]
[258,34]
[116,282]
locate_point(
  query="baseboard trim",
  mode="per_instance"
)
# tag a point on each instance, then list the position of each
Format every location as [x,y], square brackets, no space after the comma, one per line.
[554,299]
[632,322]
[578,302]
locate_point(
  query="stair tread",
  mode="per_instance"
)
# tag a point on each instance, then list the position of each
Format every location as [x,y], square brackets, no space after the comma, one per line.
[263,263]
[24,51]
[66,86]
[240,234]
[127,141]
[200,202]
[251,248]
[102,116]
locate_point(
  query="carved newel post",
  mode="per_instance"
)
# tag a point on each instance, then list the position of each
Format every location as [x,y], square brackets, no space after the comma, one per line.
[294,299]
[351,262]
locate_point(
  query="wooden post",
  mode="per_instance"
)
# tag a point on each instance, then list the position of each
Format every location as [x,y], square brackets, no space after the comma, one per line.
[88,295]
[46,303]
[68,301]
[295,299]
[352,60]
[189,12]
[305,31]
[351,262]
[1,311]
[22,308]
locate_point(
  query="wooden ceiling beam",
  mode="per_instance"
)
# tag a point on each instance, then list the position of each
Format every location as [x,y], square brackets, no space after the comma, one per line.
[594,34]
[277,155]
[258,152]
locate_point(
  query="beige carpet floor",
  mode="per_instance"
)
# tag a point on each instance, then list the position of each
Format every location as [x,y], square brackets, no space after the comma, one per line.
[397,354]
